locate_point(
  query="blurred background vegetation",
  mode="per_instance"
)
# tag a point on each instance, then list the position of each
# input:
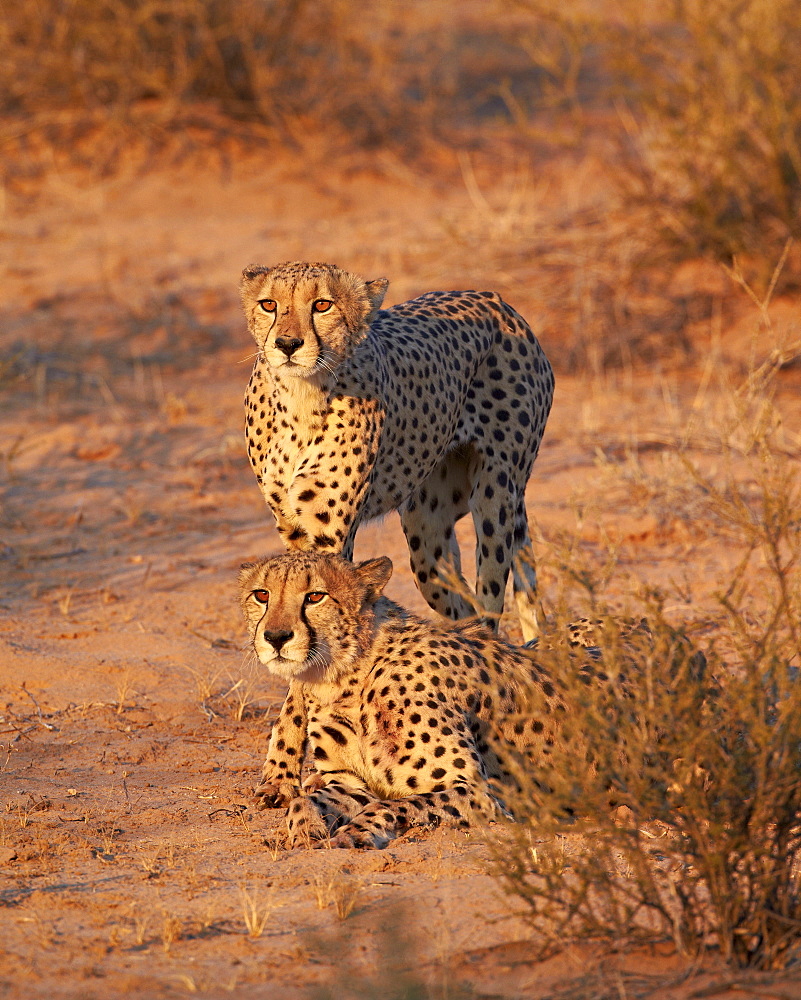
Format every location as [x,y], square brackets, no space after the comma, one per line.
[700,101]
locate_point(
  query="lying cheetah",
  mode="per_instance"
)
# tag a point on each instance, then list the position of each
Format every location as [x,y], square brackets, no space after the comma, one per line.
[406,722]
[434,408]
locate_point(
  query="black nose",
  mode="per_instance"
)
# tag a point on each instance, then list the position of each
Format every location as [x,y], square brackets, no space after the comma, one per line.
[277,639]
[288,344]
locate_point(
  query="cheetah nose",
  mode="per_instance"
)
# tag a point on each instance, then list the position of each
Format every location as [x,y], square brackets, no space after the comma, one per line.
[288,345]
[277,639]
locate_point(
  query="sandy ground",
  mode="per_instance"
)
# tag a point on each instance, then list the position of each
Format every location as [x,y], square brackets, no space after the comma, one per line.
[133,723]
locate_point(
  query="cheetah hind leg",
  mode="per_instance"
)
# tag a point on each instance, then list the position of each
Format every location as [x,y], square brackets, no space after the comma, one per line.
[524,579]
[429,517]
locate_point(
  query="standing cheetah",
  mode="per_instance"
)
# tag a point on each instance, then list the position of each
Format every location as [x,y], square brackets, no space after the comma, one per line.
[433,408]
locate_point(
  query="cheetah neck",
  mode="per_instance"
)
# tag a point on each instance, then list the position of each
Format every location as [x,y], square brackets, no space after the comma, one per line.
[305,400]
[306,394]
[341,681]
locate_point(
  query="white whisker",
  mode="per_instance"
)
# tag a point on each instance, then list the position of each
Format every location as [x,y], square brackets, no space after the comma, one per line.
[250,659]
[325,361]
[317,658]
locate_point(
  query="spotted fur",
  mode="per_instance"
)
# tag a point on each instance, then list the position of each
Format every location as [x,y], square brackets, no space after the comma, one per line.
[404,720]
[435,408]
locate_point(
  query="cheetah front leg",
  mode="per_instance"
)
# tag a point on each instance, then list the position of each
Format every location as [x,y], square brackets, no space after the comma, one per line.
[280,774]
[329,489]
[345,815]
[381,821]
[324,805]
[459,793]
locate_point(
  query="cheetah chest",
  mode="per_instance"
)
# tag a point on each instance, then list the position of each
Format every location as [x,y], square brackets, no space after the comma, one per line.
[364,735]
[336,736]
[312,452]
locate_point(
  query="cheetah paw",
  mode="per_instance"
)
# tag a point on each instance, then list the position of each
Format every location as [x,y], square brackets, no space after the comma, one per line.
[355,839]
[274,794]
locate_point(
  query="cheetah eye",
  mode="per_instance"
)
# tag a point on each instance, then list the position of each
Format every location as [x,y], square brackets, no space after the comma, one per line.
[322,305]
[262,596]
[267,305]
[315,597]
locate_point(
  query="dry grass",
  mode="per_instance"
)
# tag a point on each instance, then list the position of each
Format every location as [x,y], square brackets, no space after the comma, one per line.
[706,106]
[233,693]
[288,71]
[703,114]
[342,892]
[255,913]
[703,100]
[706,850]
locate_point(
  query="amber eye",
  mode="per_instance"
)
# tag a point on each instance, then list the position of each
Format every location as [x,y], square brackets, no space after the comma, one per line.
[262,596]
[267,305]
[322,305]
[315,597]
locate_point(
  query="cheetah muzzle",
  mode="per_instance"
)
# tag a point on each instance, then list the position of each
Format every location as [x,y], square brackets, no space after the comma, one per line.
[435,408]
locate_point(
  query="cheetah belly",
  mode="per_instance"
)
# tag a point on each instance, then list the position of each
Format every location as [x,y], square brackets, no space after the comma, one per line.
[411,448]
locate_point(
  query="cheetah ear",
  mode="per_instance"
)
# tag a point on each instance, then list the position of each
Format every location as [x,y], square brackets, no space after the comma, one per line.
[374,575]
[254,271]
[252,278]
[376,290]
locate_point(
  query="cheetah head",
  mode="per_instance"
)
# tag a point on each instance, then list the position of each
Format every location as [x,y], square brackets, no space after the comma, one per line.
[310,616]
[307,318]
